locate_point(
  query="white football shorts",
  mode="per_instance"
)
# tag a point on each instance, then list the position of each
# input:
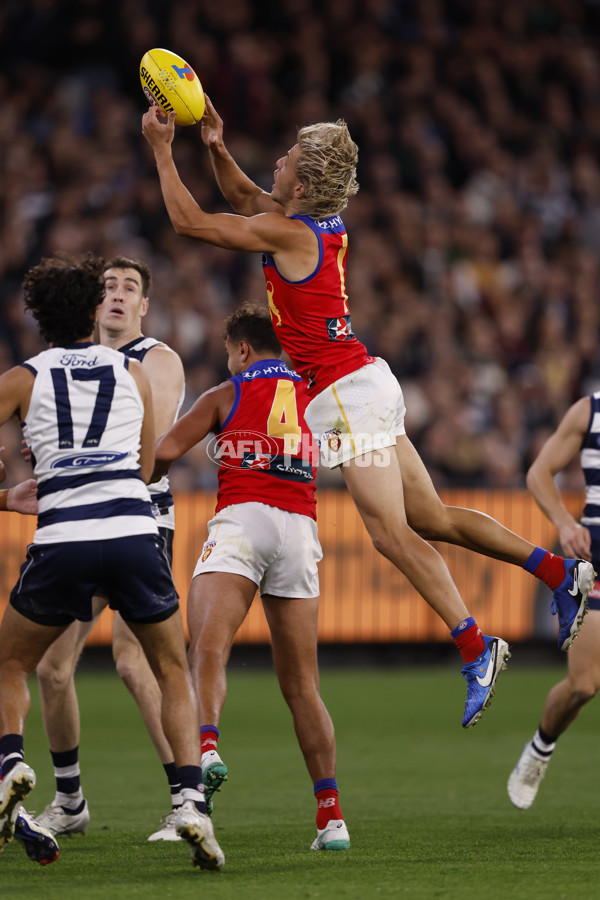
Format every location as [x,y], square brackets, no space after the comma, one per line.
[360,412]
[276,549]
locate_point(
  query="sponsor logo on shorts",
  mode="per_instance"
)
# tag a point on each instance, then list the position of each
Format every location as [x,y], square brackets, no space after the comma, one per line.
[339,329]
[207,550]
[333,438]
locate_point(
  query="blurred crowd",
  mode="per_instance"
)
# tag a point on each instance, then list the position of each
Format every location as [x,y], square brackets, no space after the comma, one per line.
[474,240]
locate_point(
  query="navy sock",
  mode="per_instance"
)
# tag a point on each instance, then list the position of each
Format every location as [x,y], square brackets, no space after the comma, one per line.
[11,752]
[174,784]
[192,787]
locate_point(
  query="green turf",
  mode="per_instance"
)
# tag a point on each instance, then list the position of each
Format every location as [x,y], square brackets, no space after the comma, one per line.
[425,801]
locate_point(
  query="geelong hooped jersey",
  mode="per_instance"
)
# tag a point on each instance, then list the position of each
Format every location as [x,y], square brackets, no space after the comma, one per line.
[590,463]
[83,427]
[311,317]
[160,491]
[265,449]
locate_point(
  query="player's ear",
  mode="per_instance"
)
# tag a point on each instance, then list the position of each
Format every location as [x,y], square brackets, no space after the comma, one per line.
[144,307]
[244,350]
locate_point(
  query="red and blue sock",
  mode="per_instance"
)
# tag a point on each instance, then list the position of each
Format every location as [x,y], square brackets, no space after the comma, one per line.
[328,807]
[546,566]
[468,639]
[209,737]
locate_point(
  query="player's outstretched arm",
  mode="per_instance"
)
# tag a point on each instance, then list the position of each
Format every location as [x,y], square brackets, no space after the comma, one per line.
[209,409]
[557,452]
[243,195]
[266,233]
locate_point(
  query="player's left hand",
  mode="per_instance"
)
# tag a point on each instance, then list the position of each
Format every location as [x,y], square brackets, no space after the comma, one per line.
[158,133]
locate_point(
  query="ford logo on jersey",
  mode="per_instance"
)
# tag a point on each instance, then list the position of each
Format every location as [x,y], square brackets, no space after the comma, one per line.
[82,460]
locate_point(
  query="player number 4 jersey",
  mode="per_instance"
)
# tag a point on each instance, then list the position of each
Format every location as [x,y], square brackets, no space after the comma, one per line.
[265,449]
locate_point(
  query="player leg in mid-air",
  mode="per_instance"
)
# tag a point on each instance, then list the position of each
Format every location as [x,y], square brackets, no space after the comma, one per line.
[577,433]
[356,410]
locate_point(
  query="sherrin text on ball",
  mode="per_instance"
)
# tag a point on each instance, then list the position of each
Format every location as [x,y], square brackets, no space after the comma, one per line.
[171,83]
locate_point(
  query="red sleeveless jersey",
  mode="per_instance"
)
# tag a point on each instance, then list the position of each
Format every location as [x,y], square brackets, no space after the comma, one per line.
[311,317]
[265,448]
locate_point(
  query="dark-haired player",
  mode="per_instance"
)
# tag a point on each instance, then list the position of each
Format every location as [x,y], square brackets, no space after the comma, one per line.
[263,535]
[357,409]
[87,414]
[119,324]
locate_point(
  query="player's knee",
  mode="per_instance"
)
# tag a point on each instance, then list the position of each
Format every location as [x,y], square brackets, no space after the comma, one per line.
[204,653]
[583,690]
[55,675]
[298,690]
[127,663]
[431,524]
[394,544]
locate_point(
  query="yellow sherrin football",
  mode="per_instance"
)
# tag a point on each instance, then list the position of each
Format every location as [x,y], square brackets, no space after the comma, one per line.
[169,82]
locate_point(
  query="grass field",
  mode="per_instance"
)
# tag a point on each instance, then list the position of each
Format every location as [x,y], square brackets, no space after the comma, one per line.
[425,801]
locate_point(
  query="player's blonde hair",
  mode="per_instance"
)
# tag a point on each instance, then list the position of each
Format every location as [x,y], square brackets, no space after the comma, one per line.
[326,166]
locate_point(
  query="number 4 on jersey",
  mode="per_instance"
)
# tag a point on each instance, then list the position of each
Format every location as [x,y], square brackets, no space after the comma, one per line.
[283,418]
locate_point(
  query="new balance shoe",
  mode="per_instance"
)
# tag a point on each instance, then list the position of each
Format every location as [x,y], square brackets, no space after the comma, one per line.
[526,778]
[14,787]
[197,829]
[59,820]
[166,832]
[333,837]
[40,845]
[214,773]
[481,677]
[570,600]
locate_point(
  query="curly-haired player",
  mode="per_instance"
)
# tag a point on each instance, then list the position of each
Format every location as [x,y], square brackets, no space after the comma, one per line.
[88,419]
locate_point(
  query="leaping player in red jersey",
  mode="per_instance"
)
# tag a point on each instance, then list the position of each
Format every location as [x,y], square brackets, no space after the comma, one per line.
[263,535]
[357,410]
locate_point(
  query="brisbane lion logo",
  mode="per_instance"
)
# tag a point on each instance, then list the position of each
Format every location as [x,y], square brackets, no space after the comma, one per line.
[207,550]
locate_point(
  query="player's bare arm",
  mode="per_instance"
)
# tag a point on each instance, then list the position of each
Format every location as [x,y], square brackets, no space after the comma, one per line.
[208,411]
[557,452]
[244,196]
[148,435]
[291,243]
[15,392]
[165,373]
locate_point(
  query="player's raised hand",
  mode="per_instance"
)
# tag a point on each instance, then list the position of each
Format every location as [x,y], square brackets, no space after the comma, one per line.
[157,133]
[212,125]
